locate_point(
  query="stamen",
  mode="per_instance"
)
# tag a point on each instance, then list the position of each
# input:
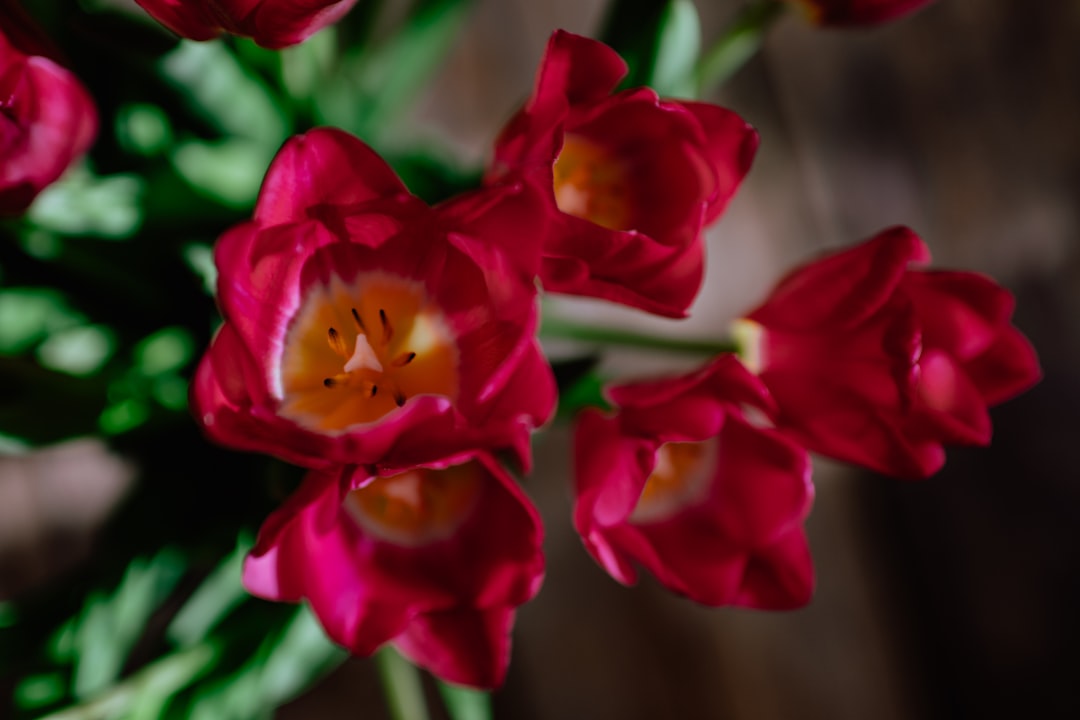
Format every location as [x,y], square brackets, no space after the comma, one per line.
[403,359]
[339,380]
[337,344]
[359,323]
[387,329]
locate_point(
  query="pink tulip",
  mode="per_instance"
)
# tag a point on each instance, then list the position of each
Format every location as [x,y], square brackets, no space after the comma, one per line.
[629,179]
[47,119]
[876,363]
[680,481]
[433,560]
[271,23]
[363,327]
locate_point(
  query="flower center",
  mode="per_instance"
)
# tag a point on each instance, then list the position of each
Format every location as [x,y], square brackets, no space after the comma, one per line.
[358,351]
[681,478]
[591,183]
[416,507]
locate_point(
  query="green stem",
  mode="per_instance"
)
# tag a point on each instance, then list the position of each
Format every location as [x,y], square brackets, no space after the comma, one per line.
[402,686]
[740,42]
[465,703]
[555,328]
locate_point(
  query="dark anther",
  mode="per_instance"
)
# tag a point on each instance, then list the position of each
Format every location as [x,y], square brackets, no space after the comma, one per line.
[404,359]
[387,330]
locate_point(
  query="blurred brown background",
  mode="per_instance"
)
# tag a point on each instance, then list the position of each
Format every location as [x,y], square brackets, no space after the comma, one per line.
[952,598]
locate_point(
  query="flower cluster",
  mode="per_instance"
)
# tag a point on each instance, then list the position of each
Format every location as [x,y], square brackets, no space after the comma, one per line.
[390,347]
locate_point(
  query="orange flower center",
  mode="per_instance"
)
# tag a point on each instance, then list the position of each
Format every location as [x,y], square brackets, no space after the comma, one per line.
[416,507]
[359,351]
[681,478]
[592,184]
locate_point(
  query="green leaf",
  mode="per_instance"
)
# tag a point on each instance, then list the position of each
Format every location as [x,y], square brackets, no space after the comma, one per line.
[218,594]
[166,350]
[585,393]
[38,691]
[377,84]
[150,688]
[143,129]
[229,171]
[123,415]
[465,703]
[630,28]
[110,626]
[82,203]
[740,42]
[288,662]
[305,66]
[224,93]
[677,50]
[28,314]
[77,351]
[303,654]
[200,258]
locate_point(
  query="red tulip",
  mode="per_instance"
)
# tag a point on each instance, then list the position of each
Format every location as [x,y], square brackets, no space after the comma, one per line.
[433,560]
[271,23]
[843,13]
[363,327]
[47,119]
[879,364]
[680,481]
[630,180]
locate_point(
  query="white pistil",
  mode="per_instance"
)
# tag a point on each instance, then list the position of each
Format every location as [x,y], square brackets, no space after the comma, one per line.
[363,357]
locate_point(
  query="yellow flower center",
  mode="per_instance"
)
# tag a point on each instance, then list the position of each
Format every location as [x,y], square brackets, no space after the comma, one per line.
[359,351]
[681,478]
[592,184]
[416,507]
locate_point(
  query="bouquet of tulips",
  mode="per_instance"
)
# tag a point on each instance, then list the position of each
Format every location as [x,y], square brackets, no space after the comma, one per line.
[376,322]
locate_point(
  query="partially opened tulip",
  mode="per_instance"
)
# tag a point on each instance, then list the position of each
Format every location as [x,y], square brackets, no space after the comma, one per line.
[877,363]
[434,560]
[47,119]
[271,23]
[363,327]
[680,481]
[630,180]
[843,13]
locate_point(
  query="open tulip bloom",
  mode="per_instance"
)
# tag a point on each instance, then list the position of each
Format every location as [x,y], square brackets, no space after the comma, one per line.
[630,180]
[433,560]
[362,327]
[679,480]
